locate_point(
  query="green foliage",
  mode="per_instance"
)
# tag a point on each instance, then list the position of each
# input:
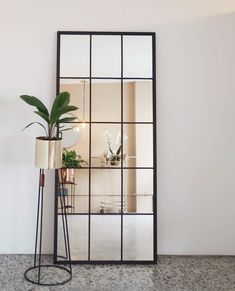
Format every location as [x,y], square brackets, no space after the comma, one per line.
[60,106]
[119,150]
[115,158]
[72,160]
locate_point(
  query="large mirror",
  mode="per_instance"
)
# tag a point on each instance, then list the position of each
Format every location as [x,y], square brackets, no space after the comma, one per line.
[110,191]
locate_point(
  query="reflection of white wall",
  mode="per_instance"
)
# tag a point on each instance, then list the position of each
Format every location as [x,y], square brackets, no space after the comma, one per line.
[137,56]
[74,61]
[106,56]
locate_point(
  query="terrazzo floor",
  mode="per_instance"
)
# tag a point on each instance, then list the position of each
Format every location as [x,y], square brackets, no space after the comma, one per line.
[171,273]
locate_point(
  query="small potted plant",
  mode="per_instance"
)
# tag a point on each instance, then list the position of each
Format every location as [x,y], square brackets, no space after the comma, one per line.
[71,160]
[48,152]
[114,156]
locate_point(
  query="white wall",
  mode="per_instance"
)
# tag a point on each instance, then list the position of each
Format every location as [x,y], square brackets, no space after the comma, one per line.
[196,105]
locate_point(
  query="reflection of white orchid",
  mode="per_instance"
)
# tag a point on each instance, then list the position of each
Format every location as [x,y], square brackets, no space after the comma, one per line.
[118,142]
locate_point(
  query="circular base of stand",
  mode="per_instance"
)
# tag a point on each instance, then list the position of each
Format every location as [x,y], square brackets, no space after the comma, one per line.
[43,267]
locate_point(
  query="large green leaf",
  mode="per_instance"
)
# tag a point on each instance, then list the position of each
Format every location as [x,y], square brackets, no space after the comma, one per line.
[44,116]
[119,150]
[34,101]
[61,100]
[34,123]
[66,119]
[61,110]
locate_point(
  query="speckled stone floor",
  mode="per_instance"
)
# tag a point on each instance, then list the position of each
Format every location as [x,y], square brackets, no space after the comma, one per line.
[171,273]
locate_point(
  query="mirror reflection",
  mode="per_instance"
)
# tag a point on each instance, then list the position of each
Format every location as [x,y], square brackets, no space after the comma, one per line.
[137,101]
[106,56]
[138,147]
[76,190]
[74,56]
[105,191]
[106,101]
[138,237]
[105,237]
[78,237]
[108,173]
[138,190]
[137,56]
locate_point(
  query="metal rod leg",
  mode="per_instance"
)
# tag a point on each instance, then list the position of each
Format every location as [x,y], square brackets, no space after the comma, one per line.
[63,223]
[38,266]
[42,178]
[66,223]
[36,239]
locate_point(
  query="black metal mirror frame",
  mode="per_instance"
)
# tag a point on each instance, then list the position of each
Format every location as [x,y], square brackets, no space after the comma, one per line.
[154,168]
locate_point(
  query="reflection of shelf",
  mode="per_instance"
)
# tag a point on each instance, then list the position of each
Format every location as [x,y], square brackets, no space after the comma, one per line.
[135,194]
[114,168]
[68,183]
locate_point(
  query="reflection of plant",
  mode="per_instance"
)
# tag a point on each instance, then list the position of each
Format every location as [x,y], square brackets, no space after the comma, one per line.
[114,153]
[53,119]
[72,160]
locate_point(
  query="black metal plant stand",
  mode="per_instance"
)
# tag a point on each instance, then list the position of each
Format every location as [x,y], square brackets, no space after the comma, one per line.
[37,273]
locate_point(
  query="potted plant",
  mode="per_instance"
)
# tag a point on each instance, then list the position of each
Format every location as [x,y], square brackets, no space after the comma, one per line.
[48,152]
[71,160]
[114,156]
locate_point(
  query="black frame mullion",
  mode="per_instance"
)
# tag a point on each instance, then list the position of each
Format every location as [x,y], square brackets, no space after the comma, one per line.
[108,214]
[122,167]
[112,122]
[90,109]
[122,186]
[103,78]
[154,148]
[55,255]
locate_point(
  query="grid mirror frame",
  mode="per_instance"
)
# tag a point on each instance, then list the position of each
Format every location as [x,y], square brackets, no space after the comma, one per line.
[123,167]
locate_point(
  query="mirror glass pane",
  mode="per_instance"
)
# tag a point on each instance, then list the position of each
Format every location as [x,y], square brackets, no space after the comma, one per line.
[137,56]
[74,56]
[93,192]
[138,145]
[138,190]
[105,237]
[137,101]
[79,90]
[138,237]
[77,139]
[106,191]
[78,237]
[105,143]
[106,100]
[76,190]
[106,56]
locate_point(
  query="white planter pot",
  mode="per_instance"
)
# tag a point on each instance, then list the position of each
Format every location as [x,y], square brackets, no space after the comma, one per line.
[48,153]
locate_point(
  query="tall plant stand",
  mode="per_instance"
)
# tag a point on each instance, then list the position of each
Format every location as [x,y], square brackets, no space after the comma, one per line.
[49,274]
